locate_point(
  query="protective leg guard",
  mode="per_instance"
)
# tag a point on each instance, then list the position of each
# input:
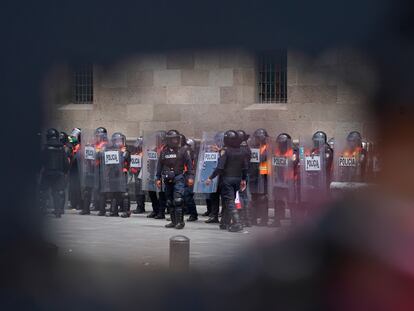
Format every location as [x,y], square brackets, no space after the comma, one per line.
[140,199]
[173,222]
[86,203]
[179,215]
[236,225]
[225,220]
[126,208]
[59,202]
[114,207]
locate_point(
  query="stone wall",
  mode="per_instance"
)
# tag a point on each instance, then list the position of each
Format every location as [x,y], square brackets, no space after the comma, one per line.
[195,91]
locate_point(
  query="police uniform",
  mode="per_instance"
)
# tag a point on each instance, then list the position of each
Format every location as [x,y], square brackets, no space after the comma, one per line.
[170,169]
[75,195]
[135,170]
[55,165]
[232,168]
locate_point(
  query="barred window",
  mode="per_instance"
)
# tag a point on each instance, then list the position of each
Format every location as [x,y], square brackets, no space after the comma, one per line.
[271,77]
[82,88]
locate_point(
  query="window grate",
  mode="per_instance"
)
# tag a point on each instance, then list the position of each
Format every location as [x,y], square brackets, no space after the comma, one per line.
[271,78]
[82,89]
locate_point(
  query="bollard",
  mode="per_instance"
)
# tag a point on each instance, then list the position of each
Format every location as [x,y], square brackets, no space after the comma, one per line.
[179,253]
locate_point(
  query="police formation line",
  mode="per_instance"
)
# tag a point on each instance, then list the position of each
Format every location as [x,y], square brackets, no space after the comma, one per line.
[251,175]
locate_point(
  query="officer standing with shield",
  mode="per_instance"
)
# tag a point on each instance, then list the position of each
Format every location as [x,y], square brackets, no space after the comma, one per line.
[64,139]
[152,145]
[101,142]
[54,166]
[88,168]
[246,213]
[315,164]
[75,194]
[211,144]
[189,202]
[114,165]
[283,161]
[350,159]
[136,172]
[232,168]
[258,171]
[170,171]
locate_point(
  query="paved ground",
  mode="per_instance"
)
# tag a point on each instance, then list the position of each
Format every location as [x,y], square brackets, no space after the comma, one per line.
[141,241]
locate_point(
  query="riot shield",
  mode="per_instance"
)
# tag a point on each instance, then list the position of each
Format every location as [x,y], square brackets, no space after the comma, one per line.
[258,168]
[87,156]
[207,161]
[113,178]
[151,149]
[135,168]
[281,175]
[348,162]
[313,169]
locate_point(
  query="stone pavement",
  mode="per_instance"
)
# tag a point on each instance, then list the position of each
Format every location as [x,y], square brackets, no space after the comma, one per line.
[145,242]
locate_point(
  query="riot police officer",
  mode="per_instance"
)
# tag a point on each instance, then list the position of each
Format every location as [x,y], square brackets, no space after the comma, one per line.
[170,169]
[320,141]
[189,202]
[354,140]
[135,170]
[64,139]
[114,167]
[101,142]
[315,167]
[54,166]
[153,144]
[350,159]
[258,171]
[232,168]
[75,196]
[282,181]
[245,211]
[213,199]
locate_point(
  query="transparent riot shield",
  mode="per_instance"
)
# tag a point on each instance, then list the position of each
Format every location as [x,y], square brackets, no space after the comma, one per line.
[207,161]
[87,156]
[151,149]
[313,169]
[135,169]
[258,168]
[349,162]
[281,175]
[113,178]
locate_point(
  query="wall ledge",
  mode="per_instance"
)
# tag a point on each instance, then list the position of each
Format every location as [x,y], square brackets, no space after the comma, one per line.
[76,107]
[267,107]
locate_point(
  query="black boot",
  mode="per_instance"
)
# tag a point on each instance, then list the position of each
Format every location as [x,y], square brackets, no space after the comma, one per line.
[173,222]
[102,205]
[85,209]
[179,215]
[160,215]
[206,214]
[192,218]
[236,225]
[140,208]
[212,220]
[126,208]
[114,208]
[152,215]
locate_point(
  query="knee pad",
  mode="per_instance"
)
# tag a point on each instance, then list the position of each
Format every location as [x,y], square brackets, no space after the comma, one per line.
[170,203]
[178,201]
